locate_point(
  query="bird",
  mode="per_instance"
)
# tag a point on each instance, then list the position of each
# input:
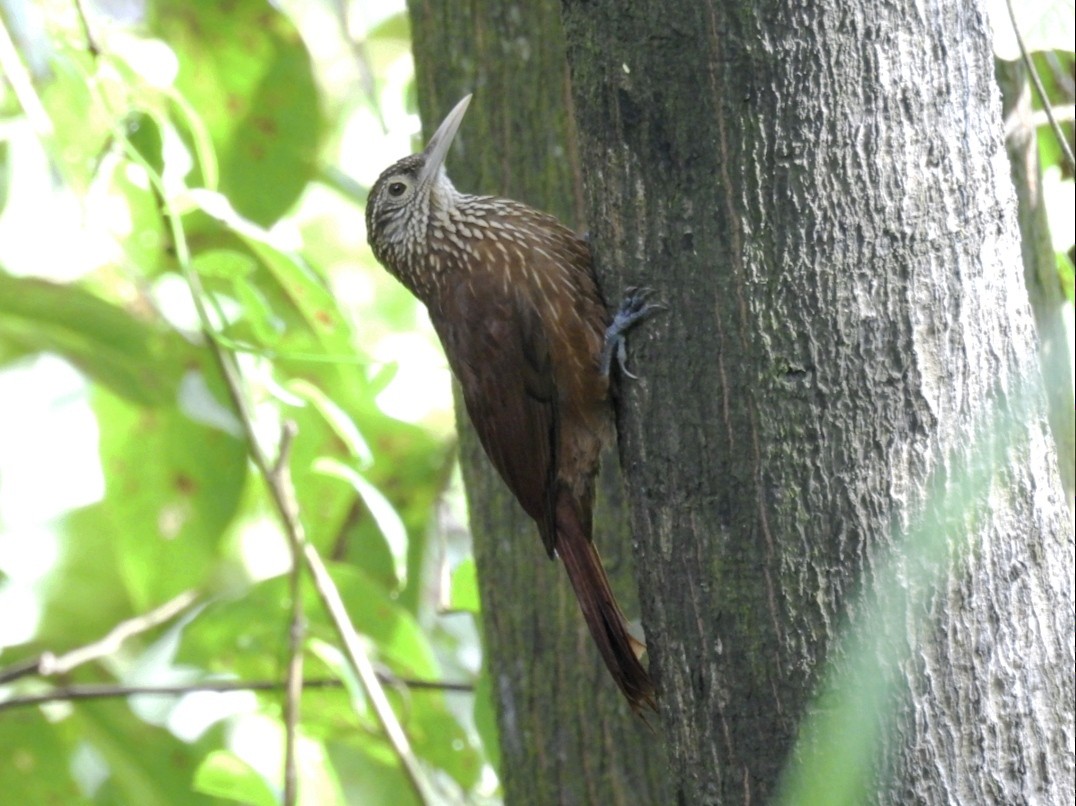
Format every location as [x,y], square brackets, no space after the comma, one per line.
[512,295]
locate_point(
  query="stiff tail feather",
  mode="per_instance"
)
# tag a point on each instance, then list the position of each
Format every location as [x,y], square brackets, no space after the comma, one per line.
[607,624]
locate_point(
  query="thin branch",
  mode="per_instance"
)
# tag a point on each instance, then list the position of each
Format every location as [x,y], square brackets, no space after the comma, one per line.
[49,664]
[1054,125]
[22,85]
[368,677]
[293,681]
[362,60]
[323,583]
[104,691]
[22,668]
[91,43]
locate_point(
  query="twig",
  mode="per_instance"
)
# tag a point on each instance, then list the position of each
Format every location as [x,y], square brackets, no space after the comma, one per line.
[293,681]
[91,43]
[102,691]
[23,86]
[1058,134]
[367,675]
[323,583]
[362,61]
[49,664]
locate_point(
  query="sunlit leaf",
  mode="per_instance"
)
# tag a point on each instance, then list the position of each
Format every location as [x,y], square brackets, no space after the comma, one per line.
[342,425]
[81,125]
[395,632]
[369,773]
[4,175]
[464,594]
[388,42]
[136,224]
[102,340]
[396,27]
[379,507]
[245,69]
[220,101]
[433,731]
[300,298]
[438,737]
[36,759]
[225,775]
[144,134]
[145,764]
[248,634]
[245,636]
[173,485]
[88,569]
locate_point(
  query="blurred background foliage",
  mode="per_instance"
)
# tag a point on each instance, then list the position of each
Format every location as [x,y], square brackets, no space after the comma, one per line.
[139,140]
[238,138]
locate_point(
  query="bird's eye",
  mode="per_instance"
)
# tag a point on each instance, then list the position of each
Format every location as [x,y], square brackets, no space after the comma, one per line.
[397,189]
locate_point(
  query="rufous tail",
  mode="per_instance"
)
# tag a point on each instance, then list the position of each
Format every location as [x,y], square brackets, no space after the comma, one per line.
[607,624]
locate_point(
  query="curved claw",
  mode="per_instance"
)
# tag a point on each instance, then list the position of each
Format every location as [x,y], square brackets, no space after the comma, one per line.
[634,309]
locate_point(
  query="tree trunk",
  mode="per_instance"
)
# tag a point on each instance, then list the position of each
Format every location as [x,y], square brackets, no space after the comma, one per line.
[566,735]
[820,193]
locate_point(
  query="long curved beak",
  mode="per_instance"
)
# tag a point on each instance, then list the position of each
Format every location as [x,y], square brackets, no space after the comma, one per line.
[437,148]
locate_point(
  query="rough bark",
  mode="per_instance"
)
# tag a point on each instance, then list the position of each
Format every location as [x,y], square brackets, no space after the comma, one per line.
[566,735]
[820,192]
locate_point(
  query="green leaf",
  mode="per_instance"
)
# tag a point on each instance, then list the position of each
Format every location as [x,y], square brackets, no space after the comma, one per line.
[144,134]
[82,126]
[88,570]
[343,426]
[5,175]
[397,635]
[245,636]
[299,299]
[464,594]
[396,27]
[137,224]
[146,765]
[248,635]
[370,774]
[101,339]
[173,484]
[326,509]
[387,519]
[439,738]
[1067,276]
[245,70]
[289,312]
[226,775]
[387,43]
[433,731]
[36,766]
[173,468]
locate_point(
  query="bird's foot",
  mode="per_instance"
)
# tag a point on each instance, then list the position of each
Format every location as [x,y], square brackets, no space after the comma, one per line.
[633,309]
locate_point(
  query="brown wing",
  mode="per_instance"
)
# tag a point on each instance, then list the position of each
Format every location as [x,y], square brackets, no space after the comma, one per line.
[499,352]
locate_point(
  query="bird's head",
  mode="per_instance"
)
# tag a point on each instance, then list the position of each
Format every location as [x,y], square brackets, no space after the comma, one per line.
[404,196]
